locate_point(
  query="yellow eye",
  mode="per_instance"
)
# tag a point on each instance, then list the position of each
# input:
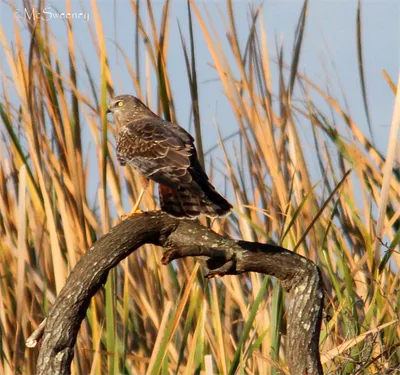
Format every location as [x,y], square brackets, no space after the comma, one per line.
[120,104]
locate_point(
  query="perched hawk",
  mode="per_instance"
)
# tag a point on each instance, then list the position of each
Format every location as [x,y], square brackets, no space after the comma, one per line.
[164,152]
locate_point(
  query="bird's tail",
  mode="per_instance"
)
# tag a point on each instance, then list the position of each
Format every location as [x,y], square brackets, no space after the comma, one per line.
[185,203]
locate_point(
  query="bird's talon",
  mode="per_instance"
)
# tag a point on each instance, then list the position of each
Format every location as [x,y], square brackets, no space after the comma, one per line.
[133,213]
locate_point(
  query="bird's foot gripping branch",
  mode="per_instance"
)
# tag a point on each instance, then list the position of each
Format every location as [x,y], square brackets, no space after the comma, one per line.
[183,238]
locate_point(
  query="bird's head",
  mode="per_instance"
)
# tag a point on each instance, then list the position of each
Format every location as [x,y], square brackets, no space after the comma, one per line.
[127,108]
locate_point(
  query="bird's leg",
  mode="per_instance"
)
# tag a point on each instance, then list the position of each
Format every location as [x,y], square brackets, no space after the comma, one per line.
[135,209]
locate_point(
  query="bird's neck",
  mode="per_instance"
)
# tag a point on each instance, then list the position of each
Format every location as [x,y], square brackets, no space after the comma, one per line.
[134,116]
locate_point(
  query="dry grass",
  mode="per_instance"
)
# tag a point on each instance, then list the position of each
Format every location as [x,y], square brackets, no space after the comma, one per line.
[152,319]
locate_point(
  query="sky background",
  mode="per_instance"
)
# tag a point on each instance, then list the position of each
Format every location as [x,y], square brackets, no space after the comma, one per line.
[328,57]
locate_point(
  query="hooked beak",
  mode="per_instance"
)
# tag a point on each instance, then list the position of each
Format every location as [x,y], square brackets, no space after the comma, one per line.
[108,110]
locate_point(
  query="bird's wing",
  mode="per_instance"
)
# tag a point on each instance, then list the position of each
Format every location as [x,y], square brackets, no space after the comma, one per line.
[159,150]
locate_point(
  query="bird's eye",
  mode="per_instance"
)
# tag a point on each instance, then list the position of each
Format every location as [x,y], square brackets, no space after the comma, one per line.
[120,104]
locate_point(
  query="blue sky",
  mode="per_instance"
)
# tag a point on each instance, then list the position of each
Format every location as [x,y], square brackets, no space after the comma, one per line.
[329,55]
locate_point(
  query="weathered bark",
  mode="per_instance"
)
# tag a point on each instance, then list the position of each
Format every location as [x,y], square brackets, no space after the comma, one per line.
[299,276]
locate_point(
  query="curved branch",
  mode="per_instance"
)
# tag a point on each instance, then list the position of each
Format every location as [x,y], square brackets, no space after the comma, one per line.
[183,238]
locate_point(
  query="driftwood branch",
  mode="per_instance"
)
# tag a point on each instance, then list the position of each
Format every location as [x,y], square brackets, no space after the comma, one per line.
[225,256]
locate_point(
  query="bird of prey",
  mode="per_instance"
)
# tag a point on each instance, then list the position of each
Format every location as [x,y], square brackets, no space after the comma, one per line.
[165,153]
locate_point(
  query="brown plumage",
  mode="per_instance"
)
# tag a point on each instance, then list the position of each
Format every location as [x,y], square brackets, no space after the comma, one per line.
[164,152]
